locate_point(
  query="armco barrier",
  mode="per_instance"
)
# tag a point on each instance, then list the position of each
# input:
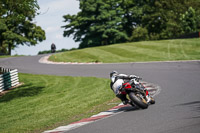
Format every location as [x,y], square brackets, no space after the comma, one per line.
[8,78]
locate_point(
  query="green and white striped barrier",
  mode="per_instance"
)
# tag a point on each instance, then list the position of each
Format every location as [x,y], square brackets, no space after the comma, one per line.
[8,78]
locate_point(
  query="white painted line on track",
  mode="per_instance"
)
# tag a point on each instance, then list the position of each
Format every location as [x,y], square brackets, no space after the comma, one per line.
[45,60]
[85,121]
[67,128]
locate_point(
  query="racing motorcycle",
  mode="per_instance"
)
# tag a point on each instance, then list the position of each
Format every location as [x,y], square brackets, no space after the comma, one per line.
[137,93]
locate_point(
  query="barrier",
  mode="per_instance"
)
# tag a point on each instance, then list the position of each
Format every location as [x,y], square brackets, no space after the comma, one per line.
[8,78]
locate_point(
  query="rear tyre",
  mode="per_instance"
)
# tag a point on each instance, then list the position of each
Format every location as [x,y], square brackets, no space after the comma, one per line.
[139,101]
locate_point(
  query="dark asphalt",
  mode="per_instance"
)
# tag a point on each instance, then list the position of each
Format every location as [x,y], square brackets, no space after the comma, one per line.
[177,108]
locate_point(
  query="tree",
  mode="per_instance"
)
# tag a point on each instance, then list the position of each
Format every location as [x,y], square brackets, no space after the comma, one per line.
[103,22]
[189,21]
[167,18]
[17,26]
[98,23]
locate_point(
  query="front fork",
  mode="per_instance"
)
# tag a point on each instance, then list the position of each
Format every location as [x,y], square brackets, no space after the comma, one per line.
[143,91]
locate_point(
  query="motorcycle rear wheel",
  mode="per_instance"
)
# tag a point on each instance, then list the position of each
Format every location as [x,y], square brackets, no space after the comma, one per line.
[139,101]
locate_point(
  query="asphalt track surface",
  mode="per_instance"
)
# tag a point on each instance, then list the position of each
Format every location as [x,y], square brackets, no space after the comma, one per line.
[177,108]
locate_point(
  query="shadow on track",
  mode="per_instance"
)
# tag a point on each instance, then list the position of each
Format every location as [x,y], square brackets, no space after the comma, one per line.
[23,91]
[128,108]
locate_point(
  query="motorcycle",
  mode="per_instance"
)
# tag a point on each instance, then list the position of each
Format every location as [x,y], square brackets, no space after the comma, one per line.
[137,93]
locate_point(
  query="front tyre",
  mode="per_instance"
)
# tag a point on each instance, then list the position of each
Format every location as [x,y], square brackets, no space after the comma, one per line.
[152,100]
[138,100]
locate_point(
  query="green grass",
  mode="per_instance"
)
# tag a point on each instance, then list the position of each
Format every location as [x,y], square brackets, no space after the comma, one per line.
[45,102]
[165,50]
[7,56]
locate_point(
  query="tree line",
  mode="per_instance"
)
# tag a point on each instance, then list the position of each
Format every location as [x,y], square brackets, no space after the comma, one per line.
[101,22]
[104,22]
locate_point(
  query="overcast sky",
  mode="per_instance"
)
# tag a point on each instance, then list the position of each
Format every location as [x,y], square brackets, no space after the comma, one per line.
[51,19]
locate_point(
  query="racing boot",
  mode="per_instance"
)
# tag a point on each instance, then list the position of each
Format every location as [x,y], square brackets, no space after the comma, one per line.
[131,103]
[123,98]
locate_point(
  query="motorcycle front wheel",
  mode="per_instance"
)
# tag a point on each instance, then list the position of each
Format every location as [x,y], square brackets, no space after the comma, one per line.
[138,100]
[152,100]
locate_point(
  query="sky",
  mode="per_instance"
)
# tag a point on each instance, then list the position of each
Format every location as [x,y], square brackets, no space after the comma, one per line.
[51,19]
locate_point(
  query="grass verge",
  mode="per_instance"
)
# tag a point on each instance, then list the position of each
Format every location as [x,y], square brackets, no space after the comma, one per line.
[45,102]
[165,50]
[8,56]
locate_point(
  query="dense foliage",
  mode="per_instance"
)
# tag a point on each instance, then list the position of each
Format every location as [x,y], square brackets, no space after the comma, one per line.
[57,51]
[103,22]
[17,26]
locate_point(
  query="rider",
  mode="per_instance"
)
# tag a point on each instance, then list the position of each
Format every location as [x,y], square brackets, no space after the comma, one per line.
[116,85]
[53,48]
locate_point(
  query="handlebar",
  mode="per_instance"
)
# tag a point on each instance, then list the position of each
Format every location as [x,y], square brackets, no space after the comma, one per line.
[137,78]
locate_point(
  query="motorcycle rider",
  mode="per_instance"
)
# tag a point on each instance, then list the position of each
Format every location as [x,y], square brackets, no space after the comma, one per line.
[116,85]
[53,48]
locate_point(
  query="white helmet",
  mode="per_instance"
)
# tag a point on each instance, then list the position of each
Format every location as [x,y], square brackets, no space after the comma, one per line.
[112,73]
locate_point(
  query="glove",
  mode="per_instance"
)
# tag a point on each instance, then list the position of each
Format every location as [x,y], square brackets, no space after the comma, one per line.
[133,76]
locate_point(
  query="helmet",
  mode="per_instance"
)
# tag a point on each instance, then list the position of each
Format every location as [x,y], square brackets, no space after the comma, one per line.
[113,72]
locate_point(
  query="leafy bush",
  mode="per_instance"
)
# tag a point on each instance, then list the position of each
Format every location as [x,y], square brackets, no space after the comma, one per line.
[139,34]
